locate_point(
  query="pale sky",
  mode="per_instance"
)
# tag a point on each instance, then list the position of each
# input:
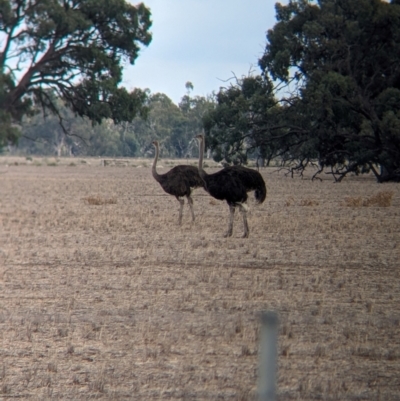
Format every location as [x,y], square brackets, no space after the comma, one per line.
[205,42]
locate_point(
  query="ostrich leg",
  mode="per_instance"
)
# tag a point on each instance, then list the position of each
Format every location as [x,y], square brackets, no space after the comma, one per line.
[231,216]
[190,202]
[182,203]
[243,210]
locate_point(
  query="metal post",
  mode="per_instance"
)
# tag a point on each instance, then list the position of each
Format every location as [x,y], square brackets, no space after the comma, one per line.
[268,356]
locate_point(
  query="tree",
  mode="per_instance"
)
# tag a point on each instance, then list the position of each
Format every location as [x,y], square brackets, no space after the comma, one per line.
[243,120]
[174,126]
[42,133]
[74,48]
[344,58]
[163,119]
[192,109]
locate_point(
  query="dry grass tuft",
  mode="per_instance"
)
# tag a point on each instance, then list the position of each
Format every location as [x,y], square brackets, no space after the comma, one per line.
[291,201]
[308,202]
[353,201]
[98,200]
[381,199]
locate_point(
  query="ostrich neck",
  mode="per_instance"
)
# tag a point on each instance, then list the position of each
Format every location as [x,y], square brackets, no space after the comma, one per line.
[154,167]
[202,173]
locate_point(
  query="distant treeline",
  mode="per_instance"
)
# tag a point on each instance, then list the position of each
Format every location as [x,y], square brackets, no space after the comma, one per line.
[174,126]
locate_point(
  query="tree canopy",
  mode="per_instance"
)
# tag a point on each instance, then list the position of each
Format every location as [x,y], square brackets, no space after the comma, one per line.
[340,60]
[239,124]
[73,48]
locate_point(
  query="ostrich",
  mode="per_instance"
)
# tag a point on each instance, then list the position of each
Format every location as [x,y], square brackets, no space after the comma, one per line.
[232,184]
[179,182]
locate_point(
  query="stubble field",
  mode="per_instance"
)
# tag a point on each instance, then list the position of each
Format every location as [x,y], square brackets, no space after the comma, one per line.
[103,296]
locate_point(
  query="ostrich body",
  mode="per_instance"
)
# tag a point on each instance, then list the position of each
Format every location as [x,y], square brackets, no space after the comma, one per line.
[232,184]
[179,182]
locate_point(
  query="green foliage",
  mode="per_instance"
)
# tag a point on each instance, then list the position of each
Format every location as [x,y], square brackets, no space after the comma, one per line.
[192,109]
[244,118]
[173,125]
[7,131]
[74,49]
[42,133]
[344,56]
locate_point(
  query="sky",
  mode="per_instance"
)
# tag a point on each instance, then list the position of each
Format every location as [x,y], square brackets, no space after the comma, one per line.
[205,42]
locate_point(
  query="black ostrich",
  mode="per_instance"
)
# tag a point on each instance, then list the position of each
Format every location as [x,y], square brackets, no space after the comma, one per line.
[179,182]
[232,184]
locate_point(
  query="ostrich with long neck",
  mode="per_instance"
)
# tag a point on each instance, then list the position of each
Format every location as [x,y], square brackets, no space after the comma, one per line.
[179,182]
[232,184]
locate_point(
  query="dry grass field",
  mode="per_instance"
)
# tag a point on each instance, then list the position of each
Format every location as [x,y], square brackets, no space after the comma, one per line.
[103,296]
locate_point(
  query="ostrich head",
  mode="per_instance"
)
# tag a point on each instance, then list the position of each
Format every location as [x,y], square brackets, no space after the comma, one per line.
[199,137]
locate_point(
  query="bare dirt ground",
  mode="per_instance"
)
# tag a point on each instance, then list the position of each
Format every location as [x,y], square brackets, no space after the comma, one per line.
[103,296]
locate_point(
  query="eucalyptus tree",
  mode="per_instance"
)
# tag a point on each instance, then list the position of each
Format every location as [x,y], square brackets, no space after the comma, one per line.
[74,48]
[243,121]
[42,134]
[343,59]
[174,126]
[193,109]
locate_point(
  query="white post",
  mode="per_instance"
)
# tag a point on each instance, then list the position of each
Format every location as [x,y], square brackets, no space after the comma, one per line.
[268,356]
